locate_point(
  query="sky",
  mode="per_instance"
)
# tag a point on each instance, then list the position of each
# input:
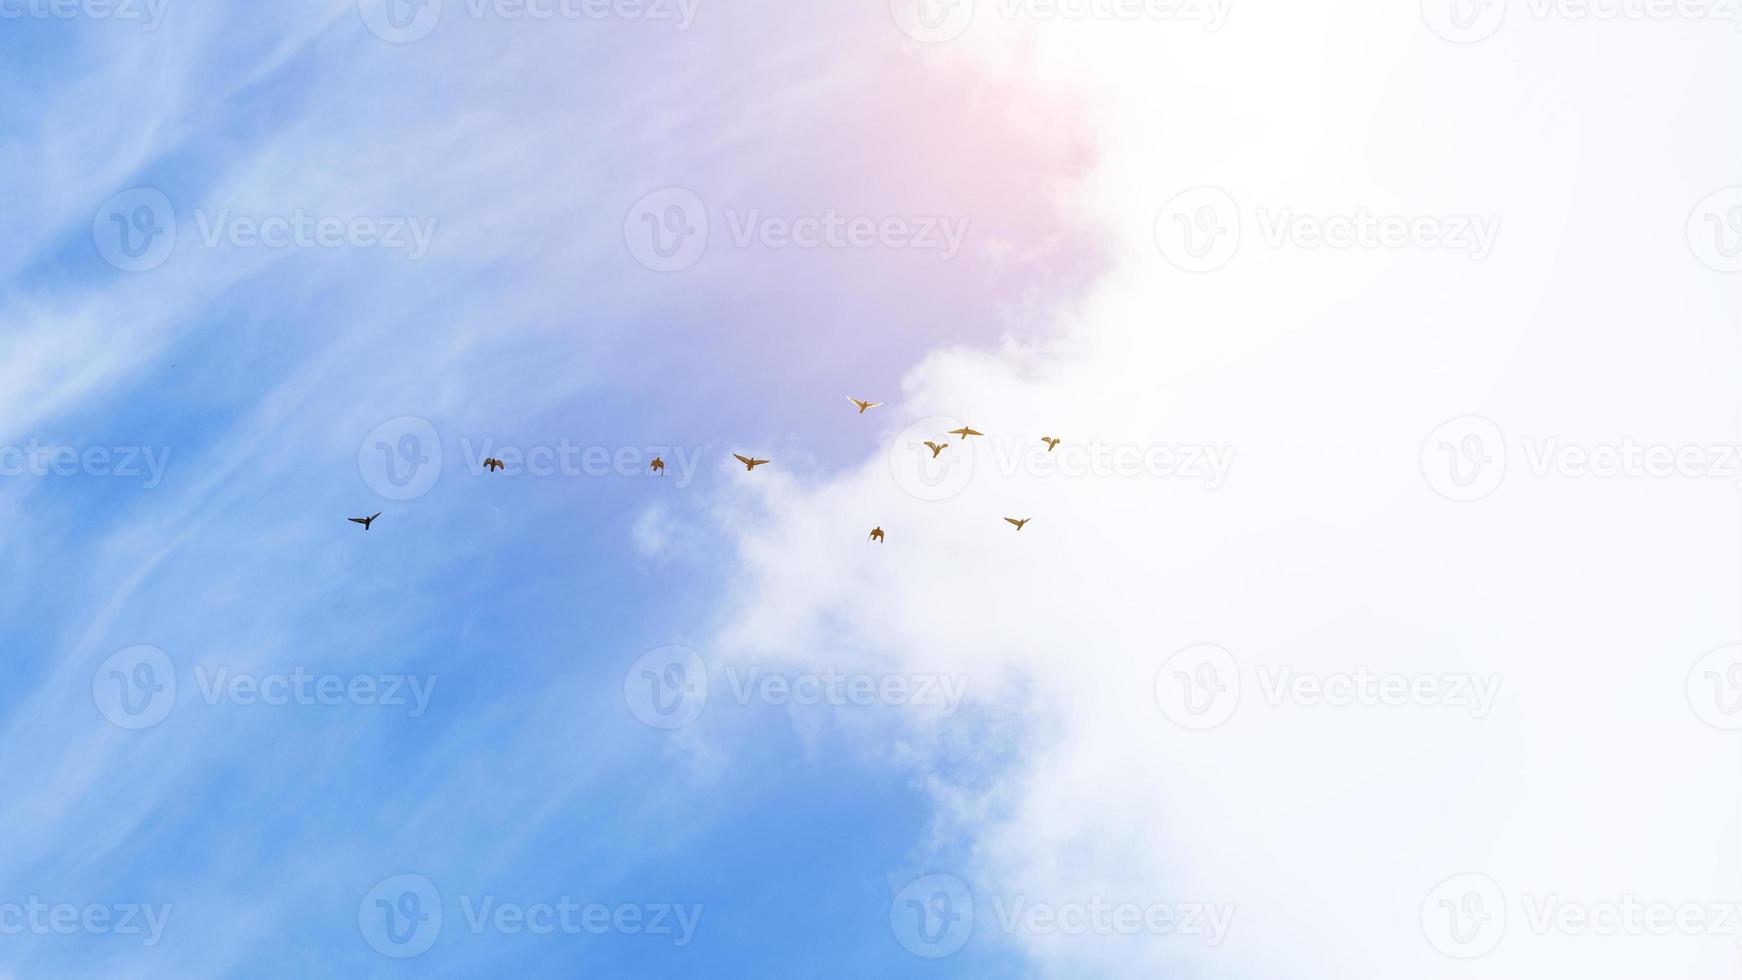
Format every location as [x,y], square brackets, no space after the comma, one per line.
[1377,615]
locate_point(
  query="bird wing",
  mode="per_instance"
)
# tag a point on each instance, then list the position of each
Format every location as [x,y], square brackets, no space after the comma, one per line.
[374,515]
[742,459]
[1014,521]
[357,520]
[757,462]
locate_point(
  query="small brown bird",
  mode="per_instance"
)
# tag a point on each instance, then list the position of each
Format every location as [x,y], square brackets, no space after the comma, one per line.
[965,432]
[863,405]
[365,521]
[877,535]
[749,464]
[657,466]
[1051,443]
[1018,523]
[935,448]
[492,464]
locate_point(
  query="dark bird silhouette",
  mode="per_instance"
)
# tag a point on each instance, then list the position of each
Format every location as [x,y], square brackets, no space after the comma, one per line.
[749,464]
[365,521]
[1018,523]
[657,466]
[877,535]
[965,432]
[492,464]
[935,448]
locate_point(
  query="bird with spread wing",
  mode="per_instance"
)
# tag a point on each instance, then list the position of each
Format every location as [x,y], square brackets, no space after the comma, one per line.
[749,463]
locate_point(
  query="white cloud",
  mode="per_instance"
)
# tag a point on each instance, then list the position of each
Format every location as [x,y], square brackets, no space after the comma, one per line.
[1327,551]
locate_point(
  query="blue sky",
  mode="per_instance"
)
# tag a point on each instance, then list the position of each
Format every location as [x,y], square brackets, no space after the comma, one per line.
[257,374]
[244,737]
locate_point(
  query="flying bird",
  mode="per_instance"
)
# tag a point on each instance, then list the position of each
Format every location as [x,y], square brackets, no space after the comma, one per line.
[877,534]
[935,448]
[749,464]
[657,466]
[1051,443]
[965,432]
[492,464]
[365,521]
[1018,523]
[863,405]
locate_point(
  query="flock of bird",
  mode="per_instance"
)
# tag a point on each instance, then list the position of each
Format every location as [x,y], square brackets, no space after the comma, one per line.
[750,463]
